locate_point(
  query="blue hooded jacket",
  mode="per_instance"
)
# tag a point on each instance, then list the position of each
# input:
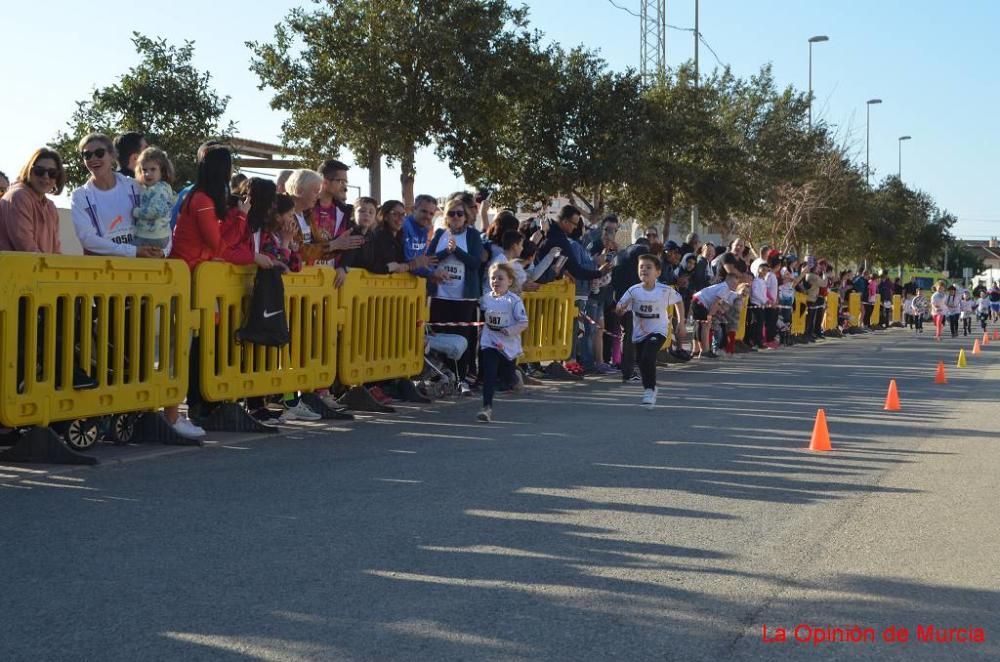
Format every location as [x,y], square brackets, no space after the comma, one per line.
[415,242]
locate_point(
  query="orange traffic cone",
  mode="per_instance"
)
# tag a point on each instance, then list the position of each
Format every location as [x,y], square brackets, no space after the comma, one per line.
[996,335]
[975,348]
[892,397]
[940,378]
[821,435]
[986,339]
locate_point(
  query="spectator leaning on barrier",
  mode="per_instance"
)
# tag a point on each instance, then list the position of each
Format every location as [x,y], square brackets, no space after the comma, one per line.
[458,249]
[384,253]
[333,219]
[102,207]
[601,242]
[29,221]
[417,230]
[202,148]
[128,146]
[197,239]
[704,272]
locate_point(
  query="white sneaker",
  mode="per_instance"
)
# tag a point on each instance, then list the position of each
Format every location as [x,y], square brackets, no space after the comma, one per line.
[185,428]
[648,396]
[652,398]
[464,388]
[299,412]
[485,416]
[330,401]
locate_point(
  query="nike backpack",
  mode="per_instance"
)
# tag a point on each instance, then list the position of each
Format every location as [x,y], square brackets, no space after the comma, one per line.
[265,322]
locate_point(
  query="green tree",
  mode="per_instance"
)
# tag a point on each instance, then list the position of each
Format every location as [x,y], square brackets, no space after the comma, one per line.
[574,134]
[387,77]
[164,97]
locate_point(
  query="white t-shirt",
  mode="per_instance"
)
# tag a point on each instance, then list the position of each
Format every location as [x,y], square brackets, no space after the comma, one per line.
[758,291]
[939,304]
[771,282]
[983,305]
[453,286]
[952,302]
[103,219]
[649,309]
[504,318]
[713,293]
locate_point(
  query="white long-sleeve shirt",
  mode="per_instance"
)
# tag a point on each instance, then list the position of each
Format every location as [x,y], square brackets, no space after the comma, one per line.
[758,292]
[103,219]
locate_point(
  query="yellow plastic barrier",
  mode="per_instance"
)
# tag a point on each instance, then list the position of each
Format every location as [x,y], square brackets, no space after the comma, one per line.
[897,310]
[832,319]
[383,332]
[551,311]
[876,310]
[854,309]
[799,314]
[741,326]
[115,319]
[230,370]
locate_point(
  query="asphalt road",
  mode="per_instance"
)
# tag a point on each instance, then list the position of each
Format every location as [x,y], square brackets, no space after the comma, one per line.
[578,526]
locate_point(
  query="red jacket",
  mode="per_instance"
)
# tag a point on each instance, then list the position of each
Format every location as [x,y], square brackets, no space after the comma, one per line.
[197,237]
[237,242]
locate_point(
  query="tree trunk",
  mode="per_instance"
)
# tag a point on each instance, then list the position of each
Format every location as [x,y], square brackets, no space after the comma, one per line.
[407,176]
[375,173]
[668,213]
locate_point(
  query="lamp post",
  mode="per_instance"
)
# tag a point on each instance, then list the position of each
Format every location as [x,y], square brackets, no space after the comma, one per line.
[868,137]
[813,40]
[900,171]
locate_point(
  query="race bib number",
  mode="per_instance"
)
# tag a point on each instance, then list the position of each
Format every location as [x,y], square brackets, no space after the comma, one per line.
[646,311]
[455,271]
[496,320]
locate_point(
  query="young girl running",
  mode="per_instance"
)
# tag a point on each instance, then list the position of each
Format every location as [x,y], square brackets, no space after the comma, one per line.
[500,343]
[983,308]
[966,308]
[939,307]
[649,302]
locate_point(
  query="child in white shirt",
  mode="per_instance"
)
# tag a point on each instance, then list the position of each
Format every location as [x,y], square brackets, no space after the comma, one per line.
[966,308]
[649,302]
[939,307]
[504,319]
[983,309]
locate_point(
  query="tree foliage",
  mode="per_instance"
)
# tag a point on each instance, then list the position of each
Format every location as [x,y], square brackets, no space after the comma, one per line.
[386,77]
[164,96]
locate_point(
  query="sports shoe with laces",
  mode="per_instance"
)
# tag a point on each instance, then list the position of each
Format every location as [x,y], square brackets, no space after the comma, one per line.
[648,397]
[485,415]
[300,412]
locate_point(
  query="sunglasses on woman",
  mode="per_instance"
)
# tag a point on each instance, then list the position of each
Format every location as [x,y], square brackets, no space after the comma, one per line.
[97,154]
[42,171]
[456,213]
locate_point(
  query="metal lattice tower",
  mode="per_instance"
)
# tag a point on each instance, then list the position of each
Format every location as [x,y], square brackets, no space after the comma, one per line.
[653,40]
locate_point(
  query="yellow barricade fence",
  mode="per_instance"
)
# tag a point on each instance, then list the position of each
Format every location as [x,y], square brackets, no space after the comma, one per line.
[799,314]
[116,320]
[876,310]
[832,319]
[897,309]
[383,332]
[230,370]
[551,312]
[741,326]
[854,309]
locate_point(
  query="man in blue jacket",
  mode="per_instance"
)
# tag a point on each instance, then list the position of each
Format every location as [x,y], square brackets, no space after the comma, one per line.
[558,236]
[417,233]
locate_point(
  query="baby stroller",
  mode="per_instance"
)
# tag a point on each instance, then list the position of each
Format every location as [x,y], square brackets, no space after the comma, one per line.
[441,354]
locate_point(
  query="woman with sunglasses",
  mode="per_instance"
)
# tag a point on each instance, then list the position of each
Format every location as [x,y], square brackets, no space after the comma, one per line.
[102,208]
[29,221]
[458,249]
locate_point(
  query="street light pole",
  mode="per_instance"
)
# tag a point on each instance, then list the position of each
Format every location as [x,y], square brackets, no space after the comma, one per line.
[697,81]
[899,173]
[868,138]
[813,40]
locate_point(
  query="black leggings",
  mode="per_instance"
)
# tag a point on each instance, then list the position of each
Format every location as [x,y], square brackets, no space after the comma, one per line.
[491,364]
[448,310]
[953,324]
[645,352]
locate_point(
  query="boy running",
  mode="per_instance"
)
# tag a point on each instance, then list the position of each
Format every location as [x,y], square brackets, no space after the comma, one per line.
[649,302]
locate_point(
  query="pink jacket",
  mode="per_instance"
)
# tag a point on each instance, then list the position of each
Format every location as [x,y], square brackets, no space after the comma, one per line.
[28,223]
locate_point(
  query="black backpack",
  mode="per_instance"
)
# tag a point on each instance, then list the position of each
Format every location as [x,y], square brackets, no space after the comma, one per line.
[265,322]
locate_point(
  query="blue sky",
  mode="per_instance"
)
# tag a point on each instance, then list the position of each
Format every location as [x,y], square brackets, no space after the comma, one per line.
[931,63]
